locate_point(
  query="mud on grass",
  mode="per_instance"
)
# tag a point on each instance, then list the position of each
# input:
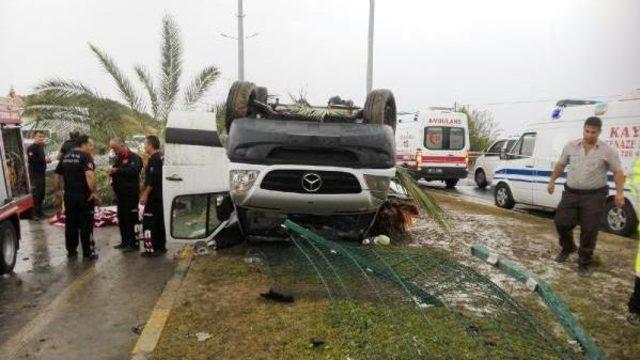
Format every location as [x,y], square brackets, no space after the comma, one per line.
[221,296]
[597,301]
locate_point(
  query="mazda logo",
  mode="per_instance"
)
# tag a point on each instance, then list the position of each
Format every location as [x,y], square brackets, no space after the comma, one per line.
[311,182]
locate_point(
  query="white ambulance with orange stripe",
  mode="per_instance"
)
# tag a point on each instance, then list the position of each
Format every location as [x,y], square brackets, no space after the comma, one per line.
[435,143]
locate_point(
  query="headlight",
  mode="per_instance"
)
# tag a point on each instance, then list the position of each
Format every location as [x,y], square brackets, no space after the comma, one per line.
[378,185]
[241,181]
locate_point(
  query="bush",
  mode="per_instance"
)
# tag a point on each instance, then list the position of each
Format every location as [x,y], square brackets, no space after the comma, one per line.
[103,180]
[483,129]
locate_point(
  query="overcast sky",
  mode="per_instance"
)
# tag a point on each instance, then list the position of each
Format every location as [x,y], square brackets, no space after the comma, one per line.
[430,53]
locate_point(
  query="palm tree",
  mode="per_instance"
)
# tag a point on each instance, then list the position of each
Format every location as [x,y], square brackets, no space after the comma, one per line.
[68,101]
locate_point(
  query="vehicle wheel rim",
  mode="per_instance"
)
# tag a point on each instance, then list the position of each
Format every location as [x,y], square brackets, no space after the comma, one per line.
[8,248]
[501,196]
[617,219]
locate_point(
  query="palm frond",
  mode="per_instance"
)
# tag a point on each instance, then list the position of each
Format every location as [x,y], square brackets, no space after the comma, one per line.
[199,86]
[124,85]
[80,112]
[171,66]
[145,78]
[317,113]
[300,98]
[423,200]
[303,108]
[56,117]
[65,88]
[220,110]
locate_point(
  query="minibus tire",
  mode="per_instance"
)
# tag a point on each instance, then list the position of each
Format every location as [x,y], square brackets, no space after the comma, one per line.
[239,99]
[508,202]
[481,179]
[630,224]
[380,108]
[8,247]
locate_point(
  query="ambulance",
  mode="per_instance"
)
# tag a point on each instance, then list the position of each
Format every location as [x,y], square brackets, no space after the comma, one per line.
[435,143]
[524,173]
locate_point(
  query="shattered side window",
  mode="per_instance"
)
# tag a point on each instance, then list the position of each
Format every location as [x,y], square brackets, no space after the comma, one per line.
[194,216]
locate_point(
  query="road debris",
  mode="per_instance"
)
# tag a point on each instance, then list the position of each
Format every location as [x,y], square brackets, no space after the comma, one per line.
[138,329]
[202,336]
[201,248]
[382,240]
[316,343]
[278,297]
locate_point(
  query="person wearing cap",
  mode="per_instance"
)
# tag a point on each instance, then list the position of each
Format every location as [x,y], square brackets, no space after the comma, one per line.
[585,191]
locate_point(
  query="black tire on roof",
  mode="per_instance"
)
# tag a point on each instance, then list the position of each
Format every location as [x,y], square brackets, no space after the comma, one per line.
[238,101]
[380,108]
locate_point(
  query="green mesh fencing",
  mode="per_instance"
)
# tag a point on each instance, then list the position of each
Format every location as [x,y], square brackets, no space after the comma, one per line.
[403,303]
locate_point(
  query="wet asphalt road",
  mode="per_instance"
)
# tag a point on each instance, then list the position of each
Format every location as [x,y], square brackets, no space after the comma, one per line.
[467,189]
[55,308]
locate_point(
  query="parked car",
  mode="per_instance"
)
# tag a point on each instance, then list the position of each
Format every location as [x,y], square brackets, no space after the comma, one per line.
[435,143]
[486,164]
[524,174]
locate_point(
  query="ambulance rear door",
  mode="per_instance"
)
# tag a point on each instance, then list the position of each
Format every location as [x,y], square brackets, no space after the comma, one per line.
[446,139]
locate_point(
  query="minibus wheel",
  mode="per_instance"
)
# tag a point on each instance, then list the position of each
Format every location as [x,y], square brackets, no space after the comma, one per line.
[238,102]
[380,108]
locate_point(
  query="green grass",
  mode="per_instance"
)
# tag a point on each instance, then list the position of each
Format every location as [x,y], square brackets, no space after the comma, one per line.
[221,296]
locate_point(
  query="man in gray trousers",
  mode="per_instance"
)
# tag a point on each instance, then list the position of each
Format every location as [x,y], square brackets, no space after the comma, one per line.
[585,192]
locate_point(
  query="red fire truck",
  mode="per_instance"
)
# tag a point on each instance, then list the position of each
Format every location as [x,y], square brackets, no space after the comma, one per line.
[15,188]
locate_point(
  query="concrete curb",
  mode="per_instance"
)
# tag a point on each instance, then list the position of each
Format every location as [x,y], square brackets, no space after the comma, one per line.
[555,304]
[158,319]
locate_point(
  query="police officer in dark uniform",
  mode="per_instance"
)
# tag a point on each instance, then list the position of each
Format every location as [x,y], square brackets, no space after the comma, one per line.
[153,215]
[37,169]
[125,175]
[68,144]
[77,171]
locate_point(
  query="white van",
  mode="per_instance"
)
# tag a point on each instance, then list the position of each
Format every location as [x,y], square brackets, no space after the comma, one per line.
[435,142]
[486,164]
[195,178]
[524,173]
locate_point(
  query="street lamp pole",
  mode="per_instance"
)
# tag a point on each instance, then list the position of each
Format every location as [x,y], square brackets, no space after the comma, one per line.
[370,46]
[240,41]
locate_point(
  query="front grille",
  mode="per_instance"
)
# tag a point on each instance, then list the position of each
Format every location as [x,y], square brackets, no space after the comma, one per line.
[333,182]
